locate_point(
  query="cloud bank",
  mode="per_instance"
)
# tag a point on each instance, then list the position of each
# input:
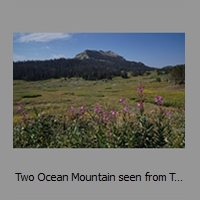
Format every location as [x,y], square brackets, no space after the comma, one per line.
[42,37]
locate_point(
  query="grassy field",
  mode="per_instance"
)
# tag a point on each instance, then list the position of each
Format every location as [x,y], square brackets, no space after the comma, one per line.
[55,96]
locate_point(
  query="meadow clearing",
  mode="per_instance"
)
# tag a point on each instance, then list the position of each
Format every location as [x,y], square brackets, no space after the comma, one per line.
[75,113]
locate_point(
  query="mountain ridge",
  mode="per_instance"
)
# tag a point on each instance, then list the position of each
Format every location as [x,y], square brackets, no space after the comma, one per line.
[99,55]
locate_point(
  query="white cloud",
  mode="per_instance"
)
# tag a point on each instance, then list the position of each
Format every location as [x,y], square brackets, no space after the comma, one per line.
[18,57]
[42,37]
[55,56]
[47,47]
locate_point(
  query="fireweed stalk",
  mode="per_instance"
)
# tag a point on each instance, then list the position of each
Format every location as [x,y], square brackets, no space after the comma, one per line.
[125,109]
[141,96]
[163,123]
[122,101]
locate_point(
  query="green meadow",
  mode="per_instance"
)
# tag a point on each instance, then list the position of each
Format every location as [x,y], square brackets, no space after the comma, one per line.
[55,96]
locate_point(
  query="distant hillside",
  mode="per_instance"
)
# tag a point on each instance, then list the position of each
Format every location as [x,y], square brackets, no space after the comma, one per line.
[90,65]
[164,70]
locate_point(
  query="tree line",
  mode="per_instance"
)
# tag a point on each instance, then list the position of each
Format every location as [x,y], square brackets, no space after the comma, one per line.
[88,69]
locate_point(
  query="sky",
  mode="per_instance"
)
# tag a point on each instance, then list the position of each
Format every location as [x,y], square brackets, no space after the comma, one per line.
[153,49]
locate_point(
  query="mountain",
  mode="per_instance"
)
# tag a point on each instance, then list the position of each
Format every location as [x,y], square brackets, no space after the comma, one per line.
[99,55]
[89,65]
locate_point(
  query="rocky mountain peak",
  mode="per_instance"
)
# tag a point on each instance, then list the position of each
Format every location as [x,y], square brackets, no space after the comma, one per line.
[99,55]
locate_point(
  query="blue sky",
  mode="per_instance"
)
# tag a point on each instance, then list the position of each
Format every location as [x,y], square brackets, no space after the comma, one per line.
[153,49]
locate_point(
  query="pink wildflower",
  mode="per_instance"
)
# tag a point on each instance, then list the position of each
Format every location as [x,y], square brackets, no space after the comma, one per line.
[98,109]
[122,100]
[140,105]
[159,100]
[19,108]
[125,109]
[71,109]
[81,110]
[106,116]
[112,112]
[168,112]
[140,89]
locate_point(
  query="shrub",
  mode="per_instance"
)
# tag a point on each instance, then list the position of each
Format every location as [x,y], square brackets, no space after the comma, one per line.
[69,93]
[177,74]
[158,79]
[28,95]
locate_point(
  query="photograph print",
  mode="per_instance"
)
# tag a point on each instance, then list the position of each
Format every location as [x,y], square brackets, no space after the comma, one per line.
[99,90]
